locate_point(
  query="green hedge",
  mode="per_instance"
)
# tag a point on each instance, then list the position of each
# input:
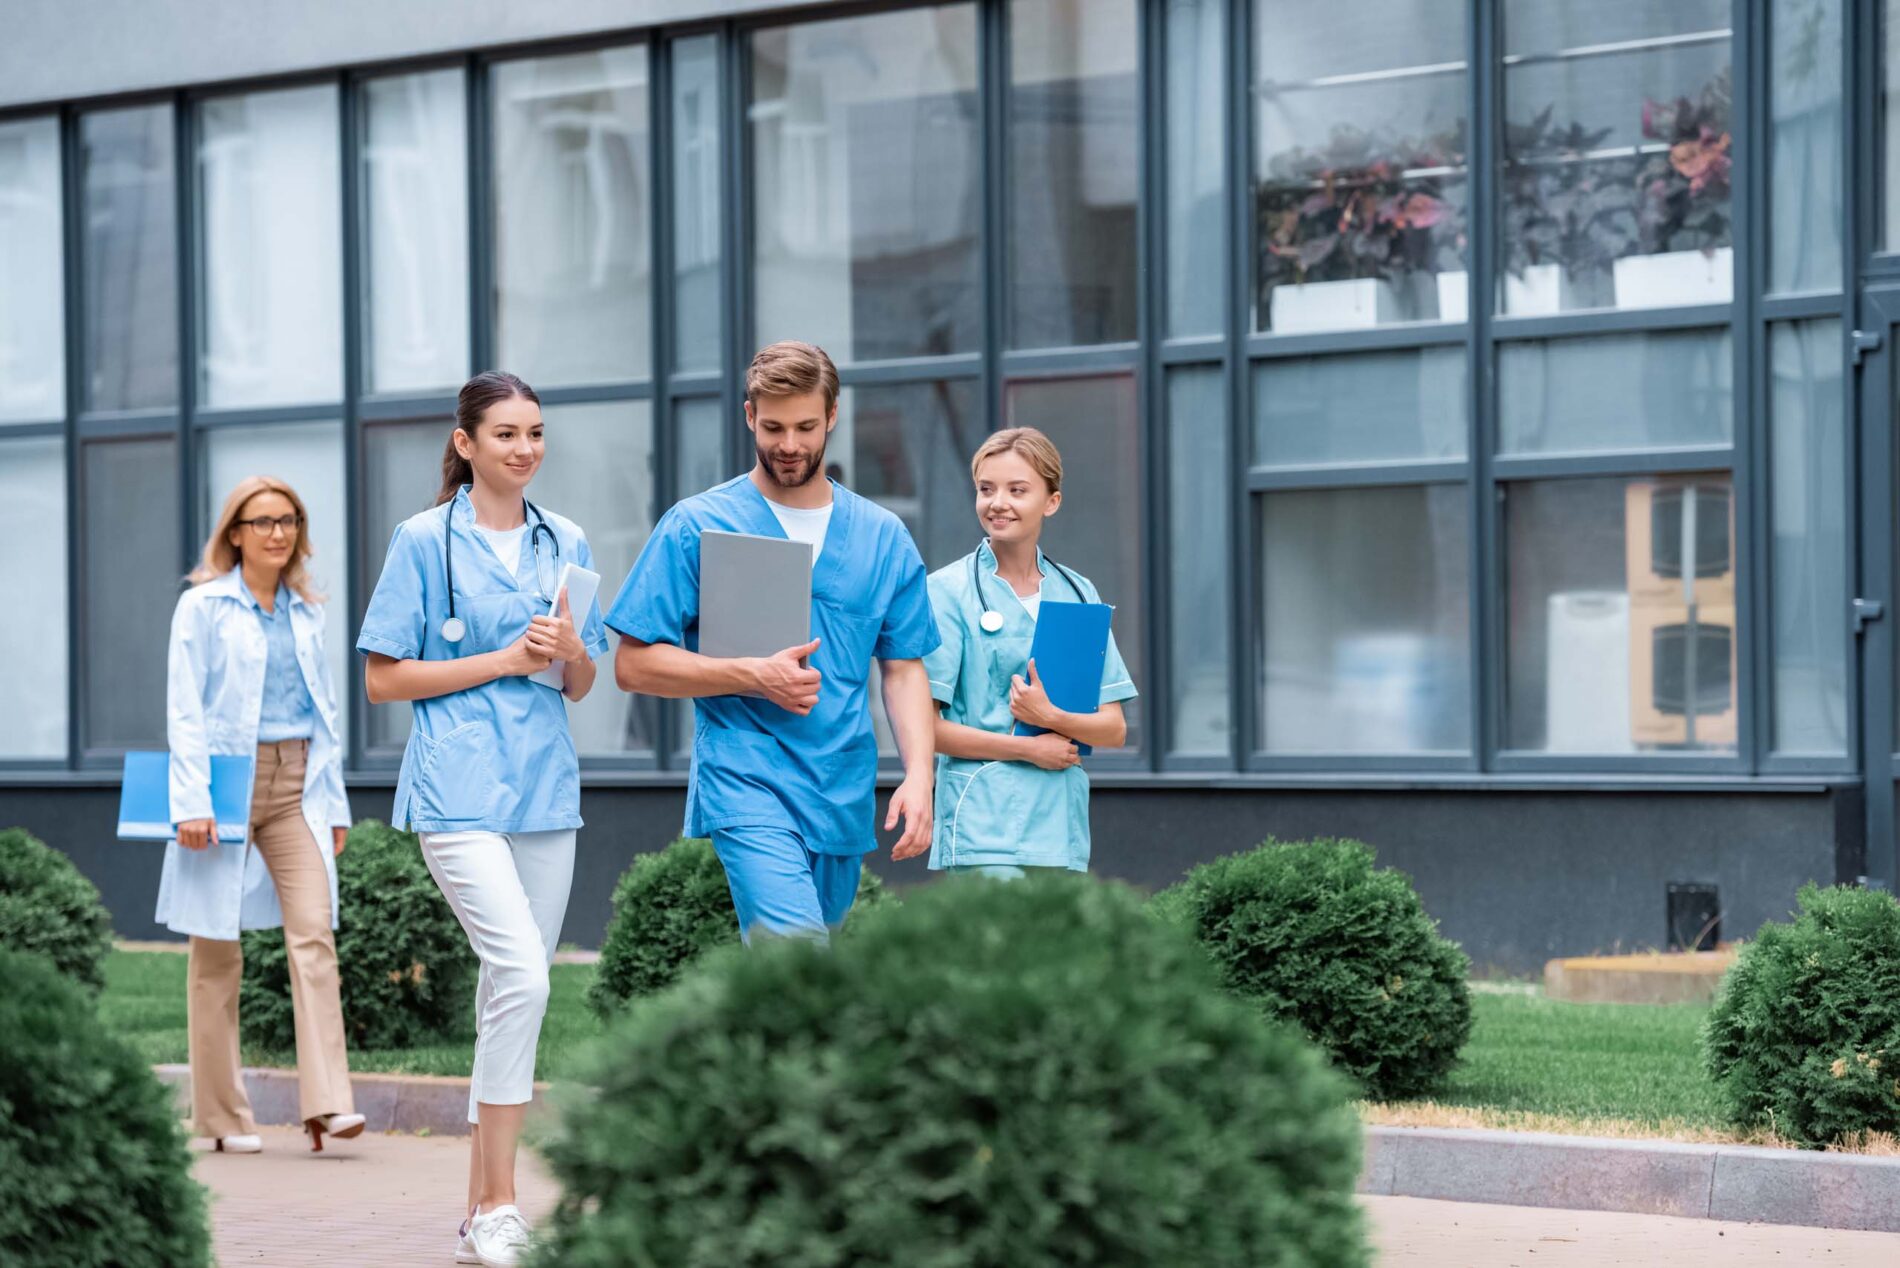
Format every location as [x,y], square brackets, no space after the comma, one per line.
[94,1172]
[408,975]
[670,908]
[1315,934]
[991,1076]
[49,909]
[1804,1037]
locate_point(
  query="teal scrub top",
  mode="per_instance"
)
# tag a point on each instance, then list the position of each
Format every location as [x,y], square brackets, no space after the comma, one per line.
[755,764]
[498,757]
[1003,812]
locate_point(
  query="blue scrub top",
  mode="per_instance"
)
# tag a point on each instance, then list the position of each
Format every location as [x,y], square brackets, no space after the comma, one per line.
[755,763]
[498,757]
[990,813]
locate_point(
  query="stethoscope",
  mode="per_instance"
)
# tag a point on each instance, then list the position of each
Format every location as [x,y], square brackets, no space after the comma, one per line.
[992,621]
[453,627]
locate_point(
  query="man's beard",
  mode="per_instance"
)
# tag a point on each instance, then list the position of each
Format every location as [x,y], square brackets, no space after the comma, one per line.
[798,479]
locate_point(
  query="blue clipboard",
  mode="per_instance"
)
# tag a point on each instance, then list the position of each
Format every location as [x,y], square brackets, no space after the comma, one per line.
[145,796]
[1070,648]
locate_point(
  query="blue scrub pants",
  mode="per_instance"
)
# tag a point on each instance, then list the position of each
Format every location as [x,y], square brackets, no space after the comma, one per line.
[780,887]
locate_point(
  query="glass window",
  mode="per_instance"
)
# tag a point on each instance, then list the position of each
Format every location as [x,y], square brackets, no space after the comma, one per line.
[32,299]
[1073,106]
[1616,392]
[697,203]
[1616,156]
[1197,162]
[699,456]
[1199,592]
[907,447]
[309,458]
[129,500]
[1362,407]
[1099,533]
[415,213]
[129,258]
[401,471]
[1806,185]
[573,246]
[1890,120]
[867,183]
[33,518]
[1360,179]
[273,264]
[1365,620]
[1620,601]
[1810,557]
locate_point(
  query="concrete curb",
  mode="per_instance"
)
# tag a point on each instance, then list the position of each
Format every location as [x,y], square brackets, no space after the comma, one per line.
[1743,1183]
[391,1102]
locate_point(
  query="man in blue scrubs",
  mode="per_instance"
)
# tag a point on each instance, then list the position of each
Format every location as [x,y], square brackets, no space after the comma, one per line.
[784,758]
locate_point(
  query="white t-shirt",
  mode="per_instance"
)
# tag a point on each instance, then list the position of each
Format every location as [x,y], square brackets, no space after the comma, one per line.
[506,543]
[1032,603]
[802,525]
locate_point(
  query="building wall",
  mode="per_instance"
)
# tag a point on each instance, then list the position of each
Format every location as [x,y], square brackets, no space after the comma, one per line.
[1516,877]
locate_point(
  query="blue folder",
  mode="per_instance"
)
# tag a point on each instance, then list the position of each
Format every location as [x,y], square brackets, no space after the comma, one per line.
[145,797]
[1069,649]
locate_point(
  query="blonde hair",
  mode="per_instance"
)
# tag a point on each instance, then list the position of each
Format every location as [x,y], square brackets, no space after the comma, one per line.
[1037,450]
[791,368]
[220,556]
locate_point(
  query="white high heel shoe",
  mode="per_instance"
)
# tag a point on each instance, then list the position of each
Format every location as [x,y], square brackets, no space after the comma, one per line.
[342,1126]
[239,1145]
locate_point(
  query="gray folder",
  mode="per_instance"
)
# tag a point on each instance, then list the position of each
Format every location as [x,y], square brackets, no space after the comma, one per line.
[754,594]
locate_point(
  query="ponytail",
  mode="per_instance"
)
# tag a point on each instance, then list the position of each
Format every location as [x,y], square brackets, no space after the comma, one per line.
[471,405]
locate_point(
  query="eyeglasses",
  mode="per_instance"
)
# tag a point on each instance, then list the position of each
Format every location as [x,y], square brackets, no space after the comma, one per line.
[263,524]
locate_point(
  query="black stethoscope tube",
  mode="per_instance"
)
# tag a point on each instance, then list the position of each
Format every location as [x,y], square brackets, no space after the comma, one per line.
[991,620]
[453,627]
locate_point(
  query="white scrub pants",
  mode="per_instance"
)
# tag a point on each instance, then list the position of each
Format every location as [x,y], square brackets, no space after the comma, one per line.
[510,891]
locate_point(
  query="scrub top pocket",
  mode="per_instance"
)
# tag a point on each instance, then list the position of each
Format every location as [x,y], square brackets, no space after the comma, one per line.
[455,779]
[495,621]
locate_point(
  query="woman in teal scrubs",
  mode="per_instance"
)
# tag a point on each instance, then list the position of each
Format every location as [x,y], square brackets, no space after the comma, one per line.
[1007,802]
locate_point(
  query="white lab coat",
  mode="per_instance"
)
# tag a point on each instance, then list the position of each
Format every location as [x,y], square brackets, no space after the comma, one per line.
[214,697]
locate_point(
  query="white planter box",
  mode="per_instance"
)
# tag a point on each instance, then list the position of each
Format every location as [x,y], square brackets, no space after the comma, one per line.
[1540,290]
[1454,296]
[1349,305]
[1675,277]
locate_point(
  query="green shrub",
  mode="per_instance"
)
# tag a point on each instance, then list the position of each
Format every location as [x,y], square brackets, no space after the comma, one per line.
[670,908]
[1315,934]
[1805,1034]
[94,1172]
[408,974]
[991,1076]
[49,909]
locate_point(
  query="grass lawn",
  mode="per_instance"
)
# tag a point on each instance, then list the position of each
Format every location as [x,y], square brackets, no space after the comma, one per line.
[144,1003]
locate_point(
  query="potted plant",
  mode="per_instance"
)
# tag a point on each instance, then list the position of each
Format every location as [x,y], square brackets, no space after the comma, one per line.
[1682,211]
[1346,233]
[1567,215]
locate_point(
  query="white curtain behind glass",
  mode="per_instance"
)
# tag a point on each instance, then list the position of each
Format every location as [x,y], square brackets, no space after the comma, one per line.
[309,458]
[32,522]
[273,271]
[416,199]
[32,308]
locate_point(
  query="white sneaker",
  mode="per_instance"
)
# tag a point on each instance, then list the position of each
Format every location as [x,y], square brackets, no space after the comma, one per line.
[465,1247]
[500,1238]
[239,1145]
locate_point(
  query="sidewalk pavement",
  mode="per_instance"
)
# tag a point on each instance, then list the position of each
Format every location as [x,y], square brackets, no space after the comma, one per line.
[388,1201]
[378,1201]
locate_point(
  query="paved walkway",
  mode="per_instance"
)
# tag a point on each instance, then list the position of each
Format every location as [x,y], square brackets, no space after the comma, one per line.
[391,1201]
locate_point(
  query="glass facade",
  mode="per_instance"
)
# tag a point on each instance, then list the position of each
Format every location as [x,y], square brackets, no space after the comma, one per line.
[1440,387]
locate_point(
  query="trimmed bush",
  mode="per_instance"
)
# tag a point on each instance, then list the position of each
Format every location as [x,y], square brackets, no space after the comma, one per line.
[1313,933]
[1804,1037]
[408,975]
[670,908]
[989,1076]
[94,1172]
[48,908]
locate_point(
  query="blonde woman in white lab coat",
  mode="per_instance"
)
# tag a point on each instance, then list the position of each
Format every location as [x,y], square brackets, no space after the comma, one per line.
[248,676]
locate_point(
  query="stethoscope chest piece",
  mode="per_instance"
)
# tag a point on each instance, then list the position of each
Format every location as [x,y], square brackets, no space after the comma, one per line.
[991,621]
[453,629]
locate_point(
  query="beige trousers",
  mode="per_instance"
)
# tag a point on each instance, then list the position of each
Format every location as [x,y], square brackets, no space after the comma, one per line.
[220,1106]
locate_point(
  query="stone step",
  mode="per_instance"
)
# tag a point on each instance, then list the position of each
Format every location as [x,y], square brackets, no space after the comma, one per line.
[1653,977]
